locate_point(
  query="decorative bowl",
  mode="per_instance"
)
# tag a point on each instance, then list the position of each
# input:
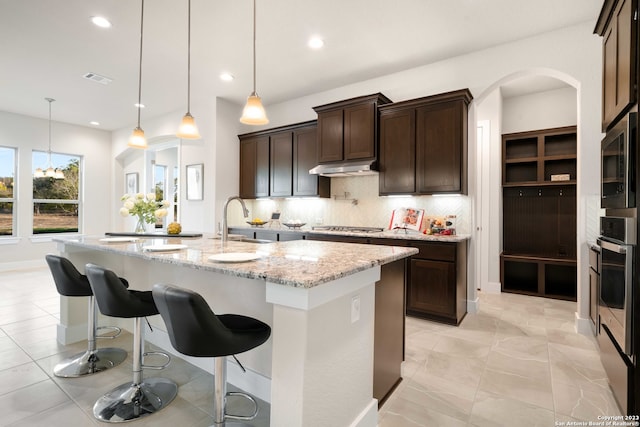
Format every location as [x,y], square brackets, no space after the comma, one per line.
[256,223]
[296,225]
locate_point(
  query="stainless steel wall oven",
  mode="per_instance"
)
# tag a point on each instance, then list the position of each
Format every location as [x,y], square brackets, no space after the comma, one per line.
[617,246]
[618,167]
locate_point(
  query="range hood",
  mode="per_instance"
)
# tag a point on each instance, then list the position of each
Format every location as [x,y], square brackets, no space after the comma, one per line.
[350,168]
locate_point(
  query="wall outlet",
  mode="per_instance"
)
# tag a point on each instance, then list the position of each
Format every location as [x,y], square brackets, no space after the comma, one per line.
[319,220]
[355,309]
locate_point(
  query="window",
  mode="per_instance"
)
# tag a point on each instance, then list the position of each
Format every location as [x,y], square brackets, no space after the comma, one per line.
[160,183]
[7,198]
[56,200]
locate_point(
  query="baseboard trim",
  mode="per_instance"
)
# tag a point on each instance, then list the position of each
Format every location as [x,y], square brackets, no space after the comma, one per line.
[583,326]
[368,417]
[473,305]
[492,288]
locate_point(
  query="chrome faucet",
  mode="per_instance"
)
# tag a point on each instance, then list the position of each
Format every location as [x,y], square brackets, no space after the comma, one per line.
[225,229]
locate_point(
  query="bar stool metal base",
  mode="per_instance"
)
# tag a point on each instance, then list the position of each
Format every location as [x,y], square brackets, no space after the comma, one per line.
[131,401]
[89,362]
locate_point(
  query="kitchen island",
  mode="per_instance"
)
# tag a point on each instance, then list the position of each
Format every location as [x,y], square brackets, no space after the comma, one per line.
[318,297]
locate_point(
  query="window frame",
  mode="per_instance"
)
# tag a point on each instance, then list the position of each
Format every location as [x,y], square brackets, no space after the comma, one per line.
[13,200]
[78,201]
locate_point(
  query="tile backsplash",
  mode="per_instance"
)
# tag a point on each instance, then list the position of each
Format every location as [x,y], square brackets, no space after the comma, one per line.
[354,201]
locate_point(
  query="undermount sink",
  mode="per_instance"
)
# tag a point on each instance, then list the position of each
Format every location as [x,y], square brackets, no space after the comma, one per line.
[248,240]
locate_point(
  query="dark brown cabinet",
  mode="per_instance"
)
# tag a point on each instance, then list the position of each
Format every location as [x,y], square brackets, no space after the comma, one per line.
[437,285]
[539,157]
[281,164]
[347,130]
[276,163]
[423,145]
[305,157]
[254,167]
[617,26]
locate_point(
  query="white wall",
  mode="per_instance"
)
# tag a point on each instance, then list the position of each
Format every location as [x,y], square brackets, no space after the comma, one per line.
[27,134]
[542,110]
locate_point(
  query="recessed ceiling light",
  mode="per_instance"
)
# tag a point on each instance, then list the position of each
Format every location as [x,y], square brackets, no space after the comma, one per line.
[139,105]
[94,123]
[101,21]
[227,77]
[315,42]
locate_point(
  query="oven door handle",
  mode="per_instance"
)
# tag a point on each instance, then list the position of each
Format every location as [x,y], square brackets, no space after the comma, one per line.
[619,249]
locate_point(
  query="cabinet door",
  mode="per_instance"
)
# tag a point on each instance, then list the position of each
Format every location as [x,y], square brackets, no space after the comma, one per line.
[618,55]
[359,132]
[398,152]
[281,150]
[330,134]
[441,148]
[254,167]
[432,288]
[305,157]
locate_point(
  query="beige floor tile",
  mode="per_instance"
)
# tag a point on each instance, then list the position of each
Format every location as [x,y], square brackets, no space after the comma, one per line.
[520,365]
[490,410]
[583,404]
[29,401]
[457,369]
[406,413]
[522,347]
[577,367]
[20,376]
[59,416]
[532,391]
[460,347]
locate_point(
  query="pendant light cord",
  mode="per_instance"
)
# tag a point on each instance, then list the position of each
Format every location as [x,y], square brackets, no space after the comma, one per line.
[140,64]
[254,47]
[189,60]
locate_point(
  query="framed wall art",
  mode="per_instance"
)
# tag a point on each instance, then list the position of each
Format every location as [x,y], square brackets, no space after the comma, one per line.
[195,182]
[131,183]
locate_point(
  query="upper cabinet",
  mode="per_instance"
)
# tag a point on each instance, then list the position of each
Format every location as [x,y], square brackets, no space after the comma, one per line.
[347,130]
[617,26]
[423,145]
[276,163]
[254,166]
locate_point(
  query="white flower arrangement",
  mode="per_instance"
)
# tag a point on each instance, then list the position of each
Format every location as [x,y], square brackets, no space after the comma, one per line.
[144,206]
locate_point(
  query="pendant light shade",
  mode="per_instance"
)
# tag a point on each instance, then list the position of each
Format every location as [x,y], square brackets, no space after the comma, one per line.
[137,139]
[188,128]
[50,172]
[253,112]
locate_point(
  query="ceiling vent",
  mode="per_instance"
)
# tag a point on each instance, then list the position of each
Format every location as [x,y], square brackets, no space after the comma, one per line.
[98,78]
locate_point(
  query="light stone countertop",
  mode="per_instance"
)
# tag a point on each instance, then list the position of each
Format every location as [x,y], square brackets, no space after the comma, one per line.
[298,263]
[387,234]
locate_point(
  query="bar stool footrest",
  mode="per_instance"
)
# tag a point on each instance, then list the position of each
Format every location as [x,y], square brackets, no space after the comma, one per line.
[117,330]
[242,417]
[156,353]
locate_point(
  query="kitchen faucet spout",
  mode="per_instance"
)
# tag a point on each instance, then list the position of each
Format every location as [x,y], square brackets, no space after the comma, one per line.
[225,229]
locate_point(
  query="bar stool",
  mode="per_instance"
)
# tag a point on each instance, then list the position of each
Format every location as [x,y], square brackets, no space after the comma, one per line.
[139,398]
[197,331]
[71,283]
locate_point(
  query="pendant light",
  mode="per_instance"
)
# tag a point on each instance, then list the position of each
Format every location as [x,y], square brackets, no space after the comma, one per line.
[253,112]
[188,128]
[137,139]
[50,172]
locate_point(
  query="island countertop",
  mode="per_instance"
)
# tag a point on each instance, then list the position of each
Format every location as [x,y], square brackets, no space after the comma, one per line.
[299,263]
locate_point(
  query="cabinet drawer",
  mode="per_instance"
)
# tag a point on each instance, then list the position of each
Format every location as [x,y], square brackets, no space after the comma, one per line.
[435,251]
[593,259]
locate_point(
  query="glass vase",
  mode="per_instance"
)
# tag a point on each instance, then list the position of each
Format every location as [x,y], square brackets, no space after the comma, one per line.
[141,226]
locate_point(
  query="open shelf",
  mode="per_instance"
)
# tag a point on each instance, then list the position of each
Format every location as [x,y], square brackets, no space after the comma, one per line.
[533,157]
[548,277]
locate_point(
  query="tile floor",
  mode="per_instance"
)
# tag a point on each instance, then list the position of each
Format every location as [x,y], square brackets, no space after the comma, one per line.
[517,362]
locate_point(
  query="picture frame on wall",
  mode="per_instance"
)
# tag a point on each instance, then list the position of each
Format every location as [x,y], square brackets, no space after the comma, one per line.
[195,181]
[131,183]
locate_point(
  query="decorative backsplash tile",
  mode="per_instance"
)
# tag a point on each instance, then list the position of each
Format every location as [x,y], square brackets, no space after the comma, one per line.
[355,202]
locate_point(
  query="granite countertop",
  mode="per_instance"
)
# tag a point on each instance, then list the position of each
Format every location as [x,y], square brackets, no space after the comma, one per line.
[298,263]
[387,234]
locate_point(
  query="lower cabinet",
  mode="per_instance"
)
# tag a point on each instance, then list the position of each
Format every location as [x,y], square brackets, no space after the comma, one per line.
[437,283]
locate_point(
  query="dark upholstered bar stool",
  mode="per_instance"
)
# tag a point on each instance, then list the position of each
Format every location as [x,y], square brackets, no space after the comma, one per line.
[71,283]
[139,398]
[195,330]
